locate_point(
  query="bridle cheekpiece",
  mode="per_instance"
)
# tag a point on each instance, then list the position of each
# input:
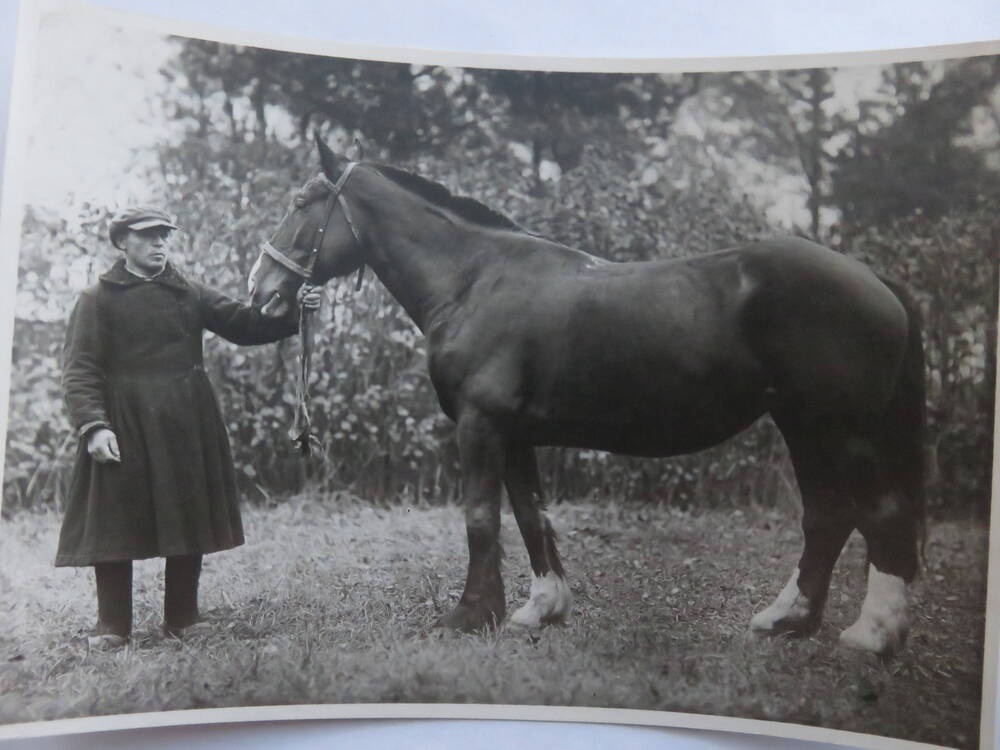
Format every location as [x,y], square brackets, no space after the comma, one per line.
[336,191]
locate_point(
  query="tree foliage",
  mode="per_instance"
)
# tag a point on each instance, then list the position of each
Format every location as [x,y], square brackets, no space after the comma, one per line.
[909,155]
[627,167]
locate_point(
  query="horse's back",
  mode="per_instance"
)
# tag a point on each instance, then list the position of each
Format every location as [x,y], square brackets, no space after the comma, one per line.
[640,358]
[669,356]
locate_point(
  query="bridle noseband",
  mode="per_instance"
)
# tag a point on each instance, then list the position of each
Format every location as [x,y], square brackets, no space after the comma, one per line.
[335,191]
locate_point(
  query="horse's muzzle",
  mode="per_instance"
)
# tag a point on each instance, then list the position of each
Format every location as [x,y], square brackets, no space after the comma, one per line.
[275,307]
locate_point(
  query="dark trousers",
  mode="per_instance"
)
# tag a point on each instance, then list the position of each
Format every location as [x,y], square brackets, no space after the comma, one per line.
[114,593]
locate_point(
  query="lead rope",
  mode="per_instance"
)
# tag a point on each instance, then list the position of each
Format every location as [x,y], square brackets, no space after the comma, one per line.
[302,433]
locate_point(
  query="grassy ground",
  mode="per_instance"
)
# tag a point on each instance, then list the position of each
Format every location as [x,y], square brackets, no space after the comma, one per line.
[332,601]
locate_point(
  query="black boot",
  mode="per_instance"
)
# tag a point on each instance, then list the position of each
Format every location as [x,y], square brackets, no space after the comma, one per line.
[114,605]
[180,596]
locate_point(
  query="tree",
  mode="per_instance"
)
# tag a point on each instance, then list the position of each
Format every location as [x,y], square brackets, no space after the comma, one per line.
[629,167]
[906,155]
[404,109]
[777,121]
[558,114]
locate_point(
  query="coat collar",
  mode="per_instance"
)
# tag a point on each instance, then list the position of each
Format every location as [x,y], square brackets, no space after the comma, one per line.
[117,275]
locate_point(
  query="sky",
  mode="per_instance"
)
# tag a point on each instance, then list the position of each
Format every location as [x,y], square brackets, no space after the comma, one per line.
[93,112]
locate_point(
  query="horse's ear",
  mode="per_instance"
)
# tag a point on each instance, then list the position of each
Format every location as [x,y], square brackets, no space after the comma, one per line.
[332,166]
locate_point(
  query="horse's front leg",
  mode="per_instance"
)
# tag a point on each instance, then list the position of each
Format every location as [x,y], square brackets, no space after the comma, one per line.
[481,449]
[550,599]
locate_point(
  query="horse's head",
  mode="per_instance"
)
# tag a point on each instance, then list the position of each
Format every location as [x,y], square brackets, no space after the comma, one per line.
[315,241]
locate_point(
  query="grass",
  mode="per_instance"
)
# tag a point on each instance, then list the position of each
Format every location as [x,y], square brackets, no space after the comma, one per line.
[333,601]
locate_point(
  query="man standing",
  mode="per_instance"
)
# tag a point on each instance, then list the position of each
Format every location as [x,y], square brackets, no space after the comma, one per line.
[154,474]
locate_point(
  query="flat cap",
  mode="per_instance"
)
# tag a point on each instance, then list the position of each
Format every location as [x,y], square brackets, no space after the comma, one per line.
[137,218]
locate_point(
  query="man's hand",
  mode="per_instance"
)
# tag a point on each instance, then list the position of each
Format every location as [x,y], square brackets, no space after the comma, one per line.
[102,445]
[310,296]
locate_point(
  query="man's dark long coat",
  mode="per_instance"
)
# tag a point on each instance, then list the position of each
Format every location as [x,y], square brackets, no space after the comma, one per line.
[133,363]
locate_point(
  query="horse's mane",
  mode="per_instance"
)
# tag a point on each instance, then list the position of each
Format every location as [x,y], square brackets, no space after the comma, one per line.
[466,208]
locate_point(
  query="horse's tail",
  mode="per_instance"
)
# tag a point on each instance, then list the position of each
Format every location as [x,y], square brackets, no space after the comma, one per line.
[906,419]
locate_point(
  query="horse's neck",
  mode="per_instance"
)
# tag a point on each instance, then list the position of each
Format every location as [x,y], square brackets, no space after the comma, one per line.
[420,257]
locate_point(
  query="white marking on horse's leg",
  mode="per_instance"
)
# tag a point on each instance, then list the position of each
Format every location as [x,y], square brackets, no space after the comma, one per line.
[881,627]
[789,610]
[550,602]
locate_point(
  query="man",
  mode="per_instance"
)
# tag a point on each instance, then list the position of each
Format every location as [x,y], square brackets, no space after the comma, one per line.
[153,475]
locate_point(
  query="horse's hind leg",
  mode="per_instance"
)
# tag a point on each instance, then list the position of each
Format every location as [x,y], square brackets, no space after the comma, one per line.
[891,499]
[550,598]
[892,542]
[849,478]
[891,526]
[827,521]
[481,450]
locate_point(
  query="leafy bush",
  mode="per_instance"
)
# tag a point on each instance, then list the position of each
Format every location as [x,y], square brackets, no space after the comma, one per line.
[595,162]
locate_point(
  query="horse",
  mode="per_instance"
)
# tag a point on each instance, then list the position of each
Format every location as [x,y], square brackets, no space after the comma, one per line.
[532,343]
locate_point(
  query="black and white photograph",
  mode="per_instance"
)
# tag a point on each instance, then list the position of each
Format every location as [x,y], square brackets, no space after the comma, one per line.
[344,381]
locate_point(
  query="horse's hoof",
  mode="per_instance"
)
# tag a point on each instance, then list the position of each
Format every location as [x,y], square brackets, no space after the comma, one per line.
[765,624]
[776,620]
[874,637]
[882,625]
[789,613]
[532,621]
[529,616]
[467,618]
[549,603]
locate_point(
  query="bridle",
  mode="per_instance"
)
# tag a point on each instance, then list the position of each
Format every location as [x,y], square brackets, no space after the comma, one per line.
[301,432]
[336,192]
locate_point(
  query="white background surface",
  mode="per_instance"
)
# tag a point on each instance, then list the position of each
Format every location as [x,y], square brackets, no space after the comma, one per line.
[574,28]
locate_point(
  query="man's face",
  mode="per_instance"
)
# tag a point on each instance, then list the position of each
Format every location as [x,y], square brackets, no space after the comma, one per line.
[146,249]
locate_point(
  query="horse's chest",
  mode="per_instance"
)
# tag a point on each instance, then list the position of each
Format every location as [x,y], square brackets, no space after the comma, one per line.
[484,365]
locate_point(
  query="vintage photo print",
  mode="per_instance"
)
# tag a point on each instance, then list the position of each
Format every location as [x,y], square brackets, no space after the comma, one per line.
[420,386]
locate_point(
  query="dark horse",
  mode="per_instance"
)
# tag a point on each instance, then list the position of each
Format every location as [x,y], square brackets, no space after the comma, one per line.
[532,343]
